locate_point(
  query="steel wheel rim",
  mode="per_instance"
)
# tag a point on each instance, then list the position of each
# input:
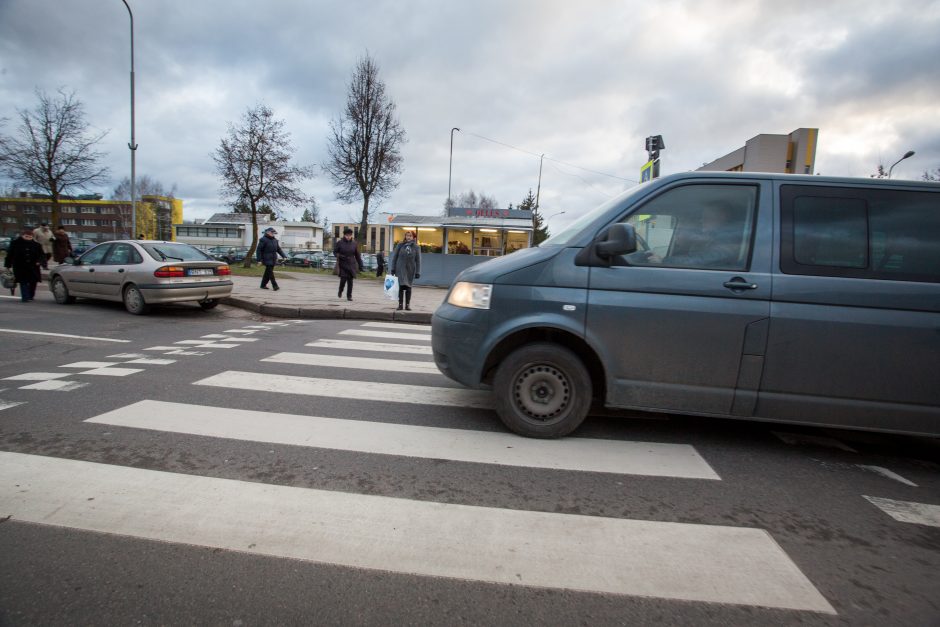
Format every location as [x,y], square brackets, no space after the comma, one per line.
[134,299]
[542,392]
[59,290]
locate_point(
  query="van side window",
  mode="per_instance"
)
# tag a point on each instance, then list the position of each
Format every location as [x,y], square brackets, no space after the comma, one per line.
[860,233]
[707,227]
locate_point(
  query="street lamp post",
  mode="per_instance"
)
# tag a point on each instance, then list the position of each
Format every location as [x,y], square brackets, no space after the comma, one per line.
[538,188]
[907,155]
[132,145]
[450,166]
[553,215]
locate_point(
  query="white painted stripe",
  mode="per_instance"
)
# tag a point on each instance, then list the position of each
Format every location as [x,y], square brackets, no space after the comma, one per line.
[386,334]
[91,364]
[813,440]
[706,563]
[38,376]
[9,404]
[578,454]
[255,326]
[10,297]
[371,346]
[216,336]
[79,337]
[127,356]
[239,331]
[908,511]
[162,348]
[340,388]
[359,363]
[399,325]
[216,345]
[152,362]
[55,386]
[190,342]
[112,372]
[274,324]
[182,352]
[890,474]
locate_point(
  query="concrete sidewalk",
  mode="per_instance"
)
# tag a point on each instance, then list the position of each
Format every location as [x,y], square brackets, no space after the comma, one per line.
[304,295]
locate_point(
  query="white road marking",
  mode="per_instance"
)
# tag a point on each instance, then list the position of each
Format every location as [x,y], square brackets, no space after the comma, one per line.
[360,363]
[79,337]
[91,364]
[890,474]
[813,440]
[386,334]
[227,338]
[9,404]
[153,362]
[182,352]
[190,342]
[38,376]
[908,511]
[273,324]
[578,454]
[127,356]
[214,336]
[55,386]
[162,348]
[112,372]
[399,325]
[216,345]
[239,331]
[340,388]
[705,563]
[371,346]
[255,326]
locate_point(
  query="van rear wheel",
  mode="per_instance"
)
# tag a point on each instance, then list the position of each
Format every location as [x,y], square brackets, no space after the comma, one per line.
[542,391]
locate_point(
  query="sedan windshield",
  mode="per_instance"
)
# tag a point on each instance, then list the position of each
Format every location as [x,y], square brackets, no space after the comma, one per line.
[177,252]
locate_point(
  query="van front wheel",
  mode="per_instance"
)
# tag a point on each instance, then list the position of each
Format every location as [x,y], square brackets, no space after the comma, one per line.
[542,391]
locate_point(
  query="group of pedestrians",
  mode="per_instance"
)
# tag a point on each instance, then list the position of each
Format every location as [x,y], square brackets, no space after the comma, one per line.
[405,263]
[30,253]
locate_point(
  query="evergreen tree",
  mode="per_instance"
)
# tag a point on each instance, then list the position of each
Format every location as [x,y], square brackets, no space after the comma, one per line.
[540,233]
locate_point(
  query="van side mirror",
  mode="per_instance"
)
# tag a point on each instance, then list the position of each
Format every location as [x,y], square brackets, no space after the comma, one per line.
[618,239]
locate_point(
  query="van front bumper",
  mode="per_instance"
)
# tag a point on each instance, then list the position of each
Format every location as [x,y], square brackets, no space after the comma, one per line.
[456,340]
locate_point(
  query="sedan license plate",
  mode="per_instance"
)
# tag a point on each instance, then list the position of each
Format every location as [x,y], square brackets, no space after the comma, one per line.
[200,271]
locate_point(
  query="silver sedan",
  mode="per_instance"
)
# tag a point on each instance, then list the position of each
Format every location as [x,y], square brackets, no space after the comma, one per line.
[142,273]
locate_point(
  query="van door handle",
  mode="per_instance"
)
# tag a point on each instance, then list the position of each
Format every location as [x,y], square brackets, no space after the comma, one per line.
[121,270]
[737,283]
[91,269]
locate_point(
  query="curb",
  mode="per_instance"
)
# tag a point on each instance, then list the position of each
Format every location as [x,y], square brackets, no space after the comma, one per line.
[326,313]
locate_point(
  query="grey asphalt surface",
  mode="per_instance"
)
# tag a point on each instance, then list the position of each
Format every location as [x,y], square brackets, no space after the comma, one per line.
[306,295]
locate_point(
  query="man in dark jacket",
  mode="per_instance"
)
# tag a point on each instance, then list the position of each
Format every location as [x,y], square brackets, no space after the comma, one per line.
[267,252]
[348,262]
[25,257]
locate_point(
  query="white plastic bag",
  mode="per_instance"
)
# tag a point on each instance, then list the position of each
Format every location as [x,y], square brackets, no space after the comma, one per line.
[391,287]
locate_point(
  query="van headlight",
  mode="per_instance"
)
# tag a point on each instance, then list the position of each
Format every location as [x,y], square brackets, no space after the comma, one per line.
[473,295]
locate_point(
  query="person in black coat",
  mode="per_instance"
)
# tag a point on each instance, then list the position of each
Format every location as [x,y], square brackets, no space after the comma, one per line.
[26,257]
[348,262]
[379,263]
[267,252]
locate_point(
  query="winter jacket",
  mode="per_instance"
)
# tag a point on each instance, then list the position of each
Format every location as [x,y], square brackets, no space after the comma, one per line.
[347,258]
[268,250]
[44,239]
[61,247]
[25,258]
[406,262]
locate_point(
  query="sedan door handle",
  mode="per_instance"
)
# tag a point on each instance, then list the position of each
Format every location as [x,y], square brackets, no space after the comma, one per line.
[120,269]
[737,283]
[91,269]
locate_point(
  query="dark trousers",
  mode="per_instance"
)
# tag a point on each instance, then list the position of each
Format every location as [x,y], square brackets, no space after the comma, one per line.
[268,276]
[346,284]
[27,291]
[404,290]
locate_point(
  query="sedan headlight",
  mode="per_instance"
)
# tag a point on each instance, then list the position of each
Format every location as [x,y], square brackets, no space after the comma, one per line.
[473,295]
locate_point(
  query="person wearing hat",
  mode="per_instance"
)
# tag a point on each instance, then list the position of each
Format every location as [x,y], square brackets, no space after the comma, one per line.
[43,236]
[348,262]
[267,252]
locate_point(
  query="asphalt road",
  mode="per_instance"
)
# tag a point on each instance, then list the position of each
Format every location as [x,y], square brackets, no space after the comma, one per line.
[251,478]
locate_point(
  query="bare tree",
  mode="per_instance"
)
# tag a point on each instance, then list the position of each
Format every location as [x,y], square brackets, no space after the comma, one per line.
[254,162]
[365,143]
[146,186]
[53,149]
[470,200]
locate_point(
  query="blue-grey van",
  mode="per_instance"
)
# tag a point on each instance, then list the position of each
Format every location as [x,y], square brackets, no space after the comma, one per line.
[786,298]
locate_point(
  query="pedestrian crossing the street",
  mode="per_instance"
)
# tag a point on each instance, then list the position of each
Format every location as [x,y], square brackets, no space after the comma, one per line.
[582,553]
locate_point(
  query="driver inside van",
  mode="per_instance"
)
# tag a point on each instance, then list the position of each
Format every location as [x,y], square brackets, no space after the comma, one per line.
[715,242]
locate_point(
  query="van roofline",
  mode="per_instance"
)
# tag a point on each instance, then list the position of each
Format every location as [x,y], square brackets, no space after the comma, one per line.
[800,178]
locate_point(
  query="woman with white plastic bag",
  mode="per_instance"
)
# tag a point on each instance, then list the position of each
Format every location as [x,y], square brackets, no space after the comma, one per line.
[391,286]
[405,264]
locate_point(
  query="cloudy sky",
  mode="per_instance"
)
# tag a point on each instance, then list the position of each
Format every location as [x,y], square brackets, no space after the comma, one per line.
[582,83]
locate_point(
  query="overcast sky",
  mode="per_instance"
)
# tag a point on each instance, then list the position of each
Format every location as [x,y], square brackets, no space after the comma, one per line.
[584,83]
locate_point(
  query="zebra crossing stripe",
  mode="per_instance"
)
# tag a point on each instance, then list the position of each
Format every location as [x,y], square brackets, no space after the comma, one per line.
[577,454]
[367,390]
[359,363]
[8,404]
[708,563]
[371,346]
[399,325]
[387,334]
[908,511]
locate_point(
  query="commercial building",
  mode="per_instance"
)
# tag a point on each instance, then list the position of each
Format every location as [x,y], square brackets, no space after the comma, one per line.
[234,229]
[786,154]
[91,217]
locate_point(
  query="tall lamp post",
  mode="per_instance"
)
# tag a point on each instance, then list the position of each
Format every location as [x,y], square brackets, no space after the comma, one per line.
[450,166]
[907,155]
[132,145]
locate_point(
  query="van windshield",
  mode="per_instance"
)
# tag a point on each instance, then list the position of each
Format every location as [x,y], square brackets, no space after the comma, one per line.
[564,237]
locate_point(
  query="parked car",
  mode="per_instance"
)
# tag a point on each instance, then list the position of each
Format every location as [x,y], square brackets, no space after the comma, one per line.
[5,243]
[328,262]
[746,295]
[231,254]
[305,259]
[80,245]
[141,274]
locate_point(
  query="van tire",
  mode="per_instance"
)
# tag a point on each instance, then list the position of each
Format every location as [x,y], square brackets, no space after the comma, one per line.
[542,390]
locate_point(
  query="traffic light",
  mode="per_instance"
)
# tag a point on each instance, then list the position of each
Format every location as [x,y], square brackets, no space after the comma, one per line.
[654,143]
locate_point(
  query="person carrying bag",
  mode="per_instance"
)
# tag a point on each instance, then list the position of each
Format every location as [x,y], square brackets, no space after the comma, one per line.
[405,264]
